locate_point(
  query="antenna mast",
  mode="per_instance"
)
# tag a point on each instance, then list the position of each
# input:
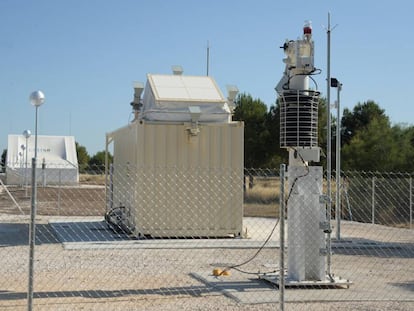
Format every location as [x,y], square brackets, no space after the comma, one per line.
[208,56]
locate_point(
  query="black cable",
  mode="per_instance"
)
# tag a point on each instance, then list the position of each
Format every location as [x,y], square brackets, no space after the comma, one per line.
[256,273]
[314,72]
[297,153]
[236,267]
[255,255]
[314,81]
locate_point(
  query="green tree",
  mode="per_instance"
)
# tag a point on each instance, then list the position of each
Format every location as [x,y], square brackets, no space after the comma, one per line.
[359,118]
[372,148]
[253,113]
[322,131]
[83,157]
[274,154]
[322,123]
[3,160]
[369,142]
[98,159]
[403,136]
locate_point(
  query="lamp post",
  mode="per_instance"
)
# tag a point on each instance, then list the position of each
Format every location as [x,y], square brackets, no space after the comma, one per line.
[37,98]
[26,134]
[20,157]
[21,161]
[338,85]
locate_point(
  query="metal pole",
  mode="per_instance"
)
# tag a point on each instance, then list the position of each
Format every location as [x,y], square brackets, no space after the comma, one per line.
[21,167]
[328,148]
[373,201]
[282,238]
[32,229]
[43,173]
[59,188]
[411,202]
[25,172]
[32,236]
[106,170]
[338,165]
[111,185]
[208,57]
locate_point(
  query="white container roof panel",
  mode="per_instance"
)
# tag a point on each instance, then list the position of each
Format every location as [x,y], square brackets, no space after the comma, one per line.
[185,88]
[168,98]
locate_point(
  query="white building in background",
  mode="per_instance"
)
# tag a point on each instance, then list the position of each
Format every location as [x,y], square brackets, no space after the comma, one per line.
[57,161]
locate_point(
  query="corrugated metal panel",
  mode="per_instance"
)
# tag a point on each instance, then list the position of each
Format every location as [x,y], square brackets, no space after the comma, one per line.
[183,185]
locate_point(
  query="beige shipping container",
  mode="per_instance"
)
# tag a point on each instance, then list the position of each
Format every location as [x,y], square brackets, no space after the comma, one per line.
[175,183]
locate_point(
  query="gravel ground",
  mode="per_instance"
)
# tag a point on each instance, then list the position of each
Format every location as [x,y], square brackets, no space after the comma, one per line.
[160,279]
[209,303]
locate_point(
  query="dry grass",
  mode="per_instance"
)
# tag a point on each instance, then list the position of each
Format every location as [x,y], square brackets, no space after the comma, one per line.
[264,191]
[262,200]
[261,210]
[96,179]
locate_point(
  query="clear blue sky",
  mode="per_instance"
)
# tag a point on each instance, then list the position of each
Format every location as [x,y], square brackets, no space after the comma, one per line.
[85,54]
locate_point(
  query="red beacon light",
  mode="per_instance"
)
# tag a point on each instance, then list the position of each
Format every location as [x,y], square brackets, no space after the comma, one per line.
[307,28]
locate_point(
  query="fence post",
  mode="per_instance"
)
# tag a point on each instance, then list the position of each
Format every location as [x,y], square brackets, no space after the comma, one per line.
[111,187]
[282,238]
[411,202]
[44,173]
[338,206]
[59,186]
[32,237]
[373,201]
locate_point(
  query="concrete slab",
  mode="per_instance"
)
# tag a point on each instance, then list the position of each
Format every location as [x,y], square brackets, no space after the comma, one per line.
[241,290]
[94,233]
[334,282]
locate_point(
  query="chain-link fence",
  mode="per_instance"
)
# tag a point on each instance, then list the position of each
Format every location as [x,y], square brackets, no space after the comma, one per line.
[169,238]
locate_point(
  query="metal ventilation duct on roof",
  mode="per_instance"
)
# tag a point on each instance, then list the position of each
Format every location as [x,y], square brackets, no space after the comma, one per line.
[177,70]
